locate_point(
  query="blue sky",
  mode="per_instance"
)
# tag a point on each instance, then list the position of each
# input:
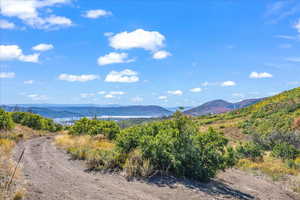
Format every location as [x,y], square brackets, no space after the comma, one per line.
[162,52]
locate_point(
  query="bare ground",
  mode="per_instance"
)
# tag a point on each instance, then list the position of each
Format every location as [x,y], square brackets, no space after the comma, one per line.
[51,174]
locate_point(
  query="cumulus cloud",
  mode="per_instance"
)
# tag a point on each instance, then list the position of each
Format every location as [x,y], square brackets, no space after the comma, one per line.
[196,90]
[7,75]
[175,92]
[43,47]
[13,52]
[125,76]
[94,14]
[114,57]
[4,24]
[162,97]
[29,82]
[260,75]
[113,94]
[148,40]
[228,84]
[37,97]
[161,55]
[29,12]
[79,78]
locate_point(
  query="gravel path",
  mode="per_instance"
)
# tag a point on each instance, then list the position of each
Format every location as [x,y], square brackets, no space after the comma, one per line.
[51,175]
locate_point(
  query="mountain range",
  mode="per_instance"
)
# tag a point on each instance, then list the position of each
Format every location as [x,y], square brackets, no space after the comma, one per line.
[81,110]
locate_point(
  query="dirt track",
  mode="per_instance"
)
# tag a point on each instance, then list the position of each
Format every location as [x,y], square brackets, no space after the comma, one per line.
[51,175]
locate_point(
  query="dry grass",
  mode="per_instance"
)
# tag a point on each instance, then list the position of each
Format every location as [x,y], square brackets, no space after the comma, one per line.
[97,151]
[84,142]
[136,166]
[7,166]
[8,140]
[275,169]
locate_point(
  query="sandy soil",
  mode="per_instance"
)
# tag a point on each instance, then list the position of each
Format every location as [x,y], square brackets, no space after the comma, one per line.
[51,174]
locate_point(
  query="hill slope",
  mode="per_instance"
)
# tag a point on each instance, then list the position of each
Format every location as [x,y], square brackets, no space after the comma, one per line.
[219,106]
[279,113]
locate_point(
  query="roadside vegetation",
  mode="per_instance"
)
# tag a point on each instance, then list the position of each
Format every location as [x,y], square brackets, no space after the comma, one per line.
[266,136]
[170,147]
[16,126]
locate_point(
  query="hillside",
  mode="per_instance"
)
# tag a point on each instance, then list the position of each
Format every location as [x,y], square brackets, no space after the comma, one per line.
[80,111]
[219,106]
[279,113]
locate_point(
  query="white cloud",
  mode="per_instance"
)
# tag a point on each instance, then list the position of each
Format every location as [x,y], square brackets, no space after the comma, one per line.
[162,97]
[113,94]
[7,75]
[205,84]
[114,57]
[293,59]
[43,47]
[37,97]
[30,12]
[161,55]
[4,24]
[260,75]
[287,37]
[108,34]
[137,99]
[34,58]
[117,93]
[87,95]
[29,82]
[109,96]
[285,46]
[196,90]
[101,92]
[148,40]
[297,25]
[94,14]
[13,52]
[175,92]
[228,84]
[79,78]
[125,76]
[294,83]
[58,20]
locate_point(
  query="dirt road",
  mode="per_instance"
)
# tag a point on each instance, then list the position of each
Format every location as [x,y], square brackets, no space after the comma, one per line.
[51,175]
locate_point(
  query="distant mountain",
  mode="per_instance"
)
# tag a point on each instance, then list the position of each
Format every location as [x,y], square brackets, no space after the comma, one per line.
[219,106]
[174,109]
[58,111]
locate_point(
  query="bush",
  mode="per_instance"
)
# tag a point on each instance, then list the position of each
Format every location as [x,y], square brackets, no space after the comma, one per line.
[6,122]
[269,141]
[249,150]
[175,146]
[94,127]
[35,121]
[285,151]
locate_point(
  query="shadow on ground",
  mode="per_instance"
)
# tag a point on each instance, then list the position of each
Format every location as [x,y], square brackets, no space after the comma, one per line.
[214,187]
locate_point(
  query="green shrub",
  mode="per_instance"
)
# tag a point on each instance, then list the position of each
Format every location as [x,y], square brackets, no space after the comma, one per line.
[94,127]
[285,151]
[175,146]
[249,150]
[6,122]
[35,121]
